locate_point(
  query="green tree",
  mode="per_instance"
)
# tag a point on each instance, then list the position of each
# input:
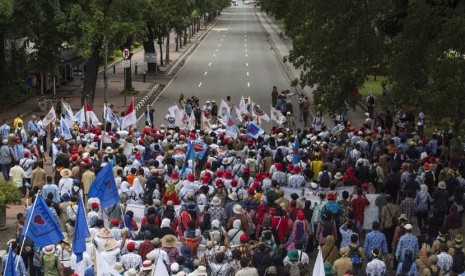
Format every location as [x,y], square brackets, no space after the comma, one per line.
[336,46]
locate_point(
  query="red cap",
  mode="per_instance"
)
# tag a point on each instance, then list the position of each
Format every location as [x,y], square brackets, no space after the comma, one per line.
[296,169]
[250,141]
[174,175]
[245,170]
[75,157]
[234,182]
[191,177]
[228,174]
[219,181]
[289,167]
[206,179]
[266,174]
[96,138]
[26,154]
[74,150]
[278,166]
[365,186]
[272,211]
[192,136]
[131,246]
[138,155]
[258,177]
[208,164]
[114,222]
[219,173]
[208,174]
[331,196]
[94,205]
[244,238]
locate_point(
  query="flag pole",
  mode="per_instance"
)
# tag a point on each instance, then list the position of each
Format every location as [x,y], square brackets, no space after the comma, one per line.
[104,124]
[27,227]
[6,265]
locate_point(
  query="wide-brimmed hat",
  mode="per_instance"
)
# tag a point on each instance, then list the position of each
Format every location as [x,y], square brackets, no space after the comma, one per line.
[110,245]
[233,196]
[338,176]
[225,161]
[408,227]
[49,249]
[108,150]
[201,271]
[104,233]
[118,267]
[442,185]
[169,241]
[215,201]
[237,209]
[130,272]
[403,216]
[65,173]
[147,265]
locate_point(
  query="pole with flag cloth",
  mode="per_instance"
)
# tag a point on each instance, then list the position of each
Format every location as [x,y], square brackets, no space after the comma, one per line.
[189,156]
[10,267]
[41,227]
[50,117]
[81,231]
[295,151]
[160,268]
[104,187]
[64,130]
[254,130]
[130,116]
[148,120]
[319,268]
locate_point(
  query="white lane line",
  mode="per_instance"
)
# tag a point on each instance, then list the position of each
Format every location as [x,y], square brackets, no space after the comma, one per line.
[219,45]
[245,40]
[247,74]
[247,64]
[221,39]
[205,73]
[246,55]
[214,55]
[210,64]
[217,49]
[245,45]
[200,84]
[245,35]
[248,84]
[246,50]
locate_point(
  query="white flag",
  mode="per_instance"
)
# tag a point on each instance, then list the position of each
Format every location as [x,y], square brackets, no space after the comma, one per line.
[103,268]
[244,106]
[148,121]
[277,116]
[68,112]
[50,117]
[160,268]
[224,110]
[109,116]
[130,117]
[64,130]
[238,115]
[319,268]
[205,123]
[258,114]
[191,123]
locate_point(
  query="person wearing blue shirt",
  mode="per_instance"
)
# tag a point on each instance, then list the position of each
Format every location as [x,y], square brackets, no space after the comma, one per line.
[4,130]
[407,266]
[407,242]
[375,239]
[20,267]
[51,188]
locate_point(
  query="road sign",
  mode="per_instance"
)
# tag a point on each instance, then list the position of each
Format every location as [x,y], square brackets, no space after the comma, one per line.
[150,57]
[126,54]
[126,63]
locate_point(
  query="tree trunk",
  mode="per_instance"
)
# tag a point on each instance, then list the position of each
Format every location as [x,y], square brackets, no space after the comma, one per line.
[185,36]
[180,40]
[167,50]
[177,43]
[2,62]
[161,50]
[91,73]
[149,47]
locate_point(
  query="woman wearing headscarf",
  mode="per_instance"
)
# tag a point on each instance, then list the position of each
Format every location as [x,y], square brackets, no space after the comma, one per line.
[235,233]
[165,229]
[423,261]
[407,267]
[329,250]
[129,222]
[299,233]
[422,200]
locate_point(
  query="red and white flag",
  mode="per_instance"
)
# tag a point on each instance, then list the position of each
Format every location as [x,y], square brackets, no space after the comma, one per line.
[130,117]
[86,115]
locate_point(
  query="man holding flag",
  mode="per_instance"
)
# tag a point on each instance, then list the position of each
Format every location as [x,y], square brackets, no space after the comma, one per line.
[12,263]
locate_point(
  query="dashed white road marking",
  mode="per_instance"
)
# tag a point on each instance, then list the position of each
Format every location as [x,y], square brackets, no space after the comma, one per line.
[245,45]
[247,64]
[217,49]
[200,84]
[246,50]
[245,40]
[247,73]
[214,55]
[246,55]
[210,64]
[205,73]
[221,39]
[248,84]
[219,45]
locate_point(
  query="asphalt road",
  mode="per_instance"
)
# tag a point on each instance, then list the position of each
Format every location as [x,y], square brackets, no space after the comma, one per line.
[234,59]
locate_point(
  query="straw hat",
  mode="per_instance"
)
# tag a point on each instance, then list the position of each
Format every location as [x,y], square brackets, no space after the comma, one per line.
[49,249]
[237,209]
[118,267]
[169,241]
[65,173]
[233,196]
[104,233]
[215,201]
[404,217]
[442,185]
[110,245]
[338,176]
[201,271]
[147,265]
[130,272]
[108,150]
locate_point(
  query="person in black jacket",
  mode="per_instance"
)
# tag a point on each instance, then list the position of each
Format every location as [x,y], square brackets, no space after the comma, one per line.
[441,202]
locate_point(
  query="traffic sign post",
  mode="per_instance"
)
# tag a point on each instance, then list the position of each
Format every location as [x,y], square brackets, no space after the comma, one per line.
[150,57]
[126,54]
[126,63]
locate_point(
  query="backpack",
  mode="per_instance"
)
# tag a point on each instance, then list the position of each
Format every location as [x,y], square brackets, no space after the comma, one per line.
[458,266]
[354,256]
[297,268]
[324,179]
[327,228]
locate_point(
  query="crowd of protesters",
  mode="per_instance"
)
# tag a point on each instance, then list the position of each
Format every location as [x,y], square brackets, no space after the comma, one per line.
[249,207]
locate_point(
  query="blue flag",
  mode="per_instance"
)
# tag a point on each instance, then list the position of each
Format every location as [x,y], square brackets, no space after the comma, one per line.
[295,151]
[189,156]
[254,130]
[81,232]
[42,227]
[201,151]
[64,130]
[104,187]
[10,268]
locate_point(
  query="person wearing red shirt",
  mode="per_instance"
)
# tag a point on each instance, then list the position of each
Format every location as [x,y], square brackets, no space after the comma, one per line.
[358,205]
[280,223]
